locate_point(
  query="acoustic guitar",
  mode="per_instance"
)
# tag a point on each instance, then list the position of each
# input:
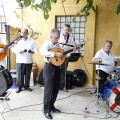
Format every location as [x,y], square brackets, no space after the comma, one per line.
[59,61]
[5,47]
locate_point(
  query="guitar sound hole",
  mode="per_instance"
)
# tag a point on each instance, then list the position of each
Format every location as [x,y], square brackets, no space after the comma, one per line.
[56,59]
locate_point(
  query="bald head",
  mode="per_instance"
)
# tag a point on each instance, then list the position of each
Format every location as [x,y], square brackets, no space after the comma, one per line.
[24,32]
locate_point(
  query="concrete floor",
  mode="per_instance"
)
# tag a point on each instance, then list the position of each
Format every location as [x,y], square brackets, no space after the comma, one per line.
[28,105]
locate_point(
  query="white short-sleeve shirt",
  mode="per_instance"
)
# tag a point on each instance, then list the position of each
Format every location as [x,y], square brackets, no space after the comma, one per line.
[106,59]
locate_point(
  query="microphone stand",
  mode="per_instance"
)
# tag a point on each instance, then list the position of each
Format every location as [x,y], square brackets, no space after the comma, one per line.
[65,87]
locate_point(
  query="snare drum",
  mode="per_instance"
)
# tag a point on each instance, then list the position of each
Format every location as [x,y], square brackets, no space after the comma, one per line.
[111,94]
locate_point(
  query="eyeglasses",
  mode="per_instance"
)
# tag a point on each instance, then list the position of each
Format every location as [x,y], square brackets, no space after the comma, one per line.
[56,37]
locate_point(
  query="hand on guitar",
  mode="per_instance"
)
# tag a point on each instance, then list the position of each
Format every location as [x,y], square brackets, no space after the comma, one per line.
[58,54]
[74,50]
[2,50]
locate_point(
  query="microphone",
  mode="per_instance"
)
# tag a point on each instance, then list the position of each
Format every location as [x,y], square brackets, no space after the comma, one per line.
[76,77]
[25,50]
[29,51]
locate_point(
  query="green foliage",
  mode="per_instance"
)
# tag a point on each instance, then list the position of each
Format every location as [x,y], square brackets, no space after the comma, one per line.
[77,1]
[34,63]
[45,5]
[32,33]
[89,5]
[118,9]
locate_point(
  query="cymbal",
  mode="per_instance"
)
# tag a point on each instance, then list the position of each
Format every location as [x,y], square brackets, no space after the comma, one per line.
[100,64]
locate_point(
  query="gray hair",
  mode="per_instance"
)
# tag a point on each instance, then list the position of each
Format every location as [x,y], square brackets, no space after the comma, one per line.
[109,41]
[67,25]
[53,31]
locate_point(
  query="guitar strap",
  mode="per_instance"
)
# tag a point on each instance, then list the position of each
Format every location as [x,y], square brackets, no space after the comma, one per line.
[66,40]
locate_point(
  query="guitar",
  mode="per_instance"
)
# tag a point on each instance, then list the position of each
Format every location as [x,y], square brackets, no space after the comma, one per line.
[59,61]
[5,47]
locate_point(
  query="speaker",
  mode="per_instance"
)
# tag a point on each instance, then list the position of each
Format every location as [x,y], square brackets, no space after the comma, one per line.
[6,80]
[79,77]
[3,84]
[68,80]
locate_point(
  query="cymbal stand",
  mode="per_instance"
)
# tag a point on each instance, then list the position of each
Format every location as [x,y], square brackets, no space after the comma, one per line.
[99,97]
[65,89]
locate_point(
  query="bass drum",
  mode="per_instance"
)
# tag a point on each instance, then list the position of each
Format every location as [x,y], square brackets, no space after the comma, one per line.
[111,94]
[6,80]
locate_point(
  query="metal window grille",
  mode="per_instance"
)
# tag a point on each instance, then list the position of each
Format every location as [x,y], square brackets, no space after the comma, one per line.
[78,27]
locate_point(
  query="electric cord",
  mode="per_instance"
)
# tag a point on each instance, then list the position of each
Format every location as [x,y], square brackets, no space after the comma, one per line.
[86,69]
[85,113]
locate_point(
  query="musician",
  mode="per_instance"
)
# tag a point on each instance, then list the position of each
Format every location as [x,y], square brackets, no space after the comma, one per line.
[67,40]
[2,62]
[24,51]
[104,56]
[51,73]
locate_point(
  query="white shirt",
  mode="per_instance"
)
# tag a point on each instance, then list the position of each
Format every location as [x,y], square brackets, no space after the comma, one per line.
[63,40]
[106,59]
[45,49]
[25,57]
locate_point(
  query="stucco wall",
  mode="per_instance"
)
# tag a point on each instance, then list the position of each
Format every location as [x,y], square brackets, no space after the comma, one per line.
[100,26]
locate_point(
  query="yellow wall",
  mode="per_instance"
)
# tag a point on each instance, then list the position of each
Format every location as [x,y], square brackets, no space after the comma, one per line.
[100,26]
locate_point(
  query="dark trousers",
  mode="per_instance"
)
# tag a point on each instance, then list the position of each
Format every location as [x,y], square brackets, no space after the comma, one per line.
[23,70]
[62,78]
[103,78]
[51,76]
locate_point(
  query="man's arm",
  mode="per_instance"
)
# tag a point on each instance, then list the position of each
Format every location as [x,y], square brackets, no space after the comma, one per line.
[97,60]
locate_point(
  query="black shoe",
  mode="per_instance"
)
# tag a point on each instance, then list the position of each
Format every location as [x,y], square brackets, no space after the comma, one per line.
[7,99]
[18,90]
[48,115]
[55,110]
[29,89]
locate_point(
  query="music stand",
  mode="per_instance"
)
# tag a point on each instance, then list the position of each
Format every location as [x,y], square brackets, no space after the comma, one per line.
[73,58]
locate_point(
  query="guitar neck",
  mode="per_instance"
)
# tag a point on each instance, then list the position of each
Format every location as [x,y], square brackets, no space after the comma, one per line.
[68,51]
[17,39]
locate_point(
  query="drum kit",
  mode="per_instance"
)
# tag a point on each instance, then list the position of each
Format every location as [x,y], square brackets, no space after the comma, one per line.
[111,91]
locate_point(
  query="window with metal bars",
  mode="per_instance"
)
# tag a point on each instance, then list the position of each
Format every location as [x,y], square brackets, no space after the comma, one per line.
[77,27]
